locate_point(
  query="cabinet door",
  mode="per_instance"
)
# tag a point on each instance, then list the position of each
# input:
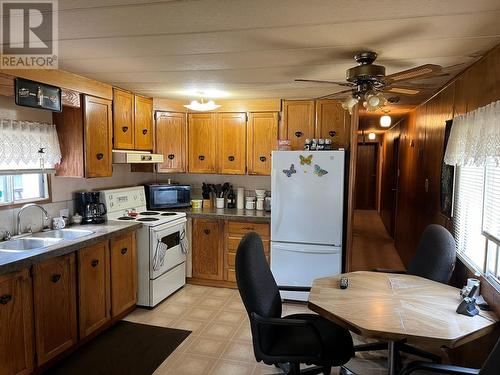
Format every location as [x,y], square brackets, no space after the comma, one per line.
[93,288]
[171,141]
[232,132]
[16,322]
[333,122]
[143,123]
[123,119]
[97,121]
[201,142]
[207,249]
[298,122]
[123,273]
[262,138]
[54,284]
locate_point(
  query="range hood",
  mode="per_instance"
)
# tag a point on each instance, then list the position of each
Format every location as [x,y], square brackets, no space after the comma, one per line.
[129,157]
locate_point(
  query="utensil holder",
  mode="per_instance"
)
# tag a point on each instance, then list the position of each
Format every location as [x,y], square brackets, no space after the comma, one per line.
[219,202]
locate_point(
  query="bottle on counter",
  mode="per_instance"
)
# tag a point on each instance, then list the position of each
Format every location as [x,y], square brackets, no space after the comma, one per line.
[240,199]
[231,198]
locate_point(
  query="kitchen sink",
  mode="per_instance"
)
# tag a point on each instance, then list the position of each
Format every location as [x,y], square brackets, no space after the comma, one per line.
[65,234]
[27,244]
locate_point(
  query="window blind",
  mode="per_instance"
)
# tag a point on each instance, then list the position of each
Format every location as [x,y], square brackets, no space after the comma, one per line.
[491,210]
[467,214]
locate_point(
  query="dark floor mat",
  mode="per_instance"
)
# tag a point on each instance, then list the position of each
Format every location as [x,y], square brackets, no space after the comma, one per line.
[126,348]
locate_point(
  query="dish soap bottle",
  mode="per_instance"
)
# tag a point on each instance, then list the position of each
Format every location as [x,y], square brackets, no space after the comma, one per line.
[231,199]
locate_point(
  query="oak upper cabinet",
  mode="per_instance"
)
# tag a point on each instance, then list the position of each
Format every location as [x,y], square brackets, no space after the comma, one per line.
[202,134]
[85,138]
[93,288]
[123,119]
[170,140]
[231,147]
[54,285]
[16,322]
[143,123]
[123,273]
[298,122]
[333,122]
[262,136]
[207,250]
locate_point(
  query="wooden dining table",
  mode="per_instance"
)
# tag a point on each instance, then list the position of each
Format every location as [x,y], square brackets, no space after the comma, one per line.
[398,308]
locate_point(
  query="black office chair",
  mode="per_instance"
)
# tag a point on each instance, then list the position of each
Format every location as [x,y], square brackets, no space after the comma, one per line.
[288,341]
[491,366]
[434,260]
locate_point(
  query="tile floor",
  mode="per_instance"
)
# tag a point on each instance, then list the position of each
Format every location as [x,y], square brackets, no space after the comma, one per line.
[220,342]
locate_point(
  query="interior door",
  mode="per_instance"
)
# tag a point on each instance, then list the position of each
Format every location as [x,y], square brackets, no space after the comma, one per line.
[143,123]
[98,144]
[171,141]
[232,131]
[366,176]
[261,140]
[201,142]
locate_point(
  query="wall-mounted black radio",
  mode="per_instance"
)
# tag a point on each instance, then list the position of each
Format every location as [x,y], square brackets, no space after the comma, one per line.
[37,95]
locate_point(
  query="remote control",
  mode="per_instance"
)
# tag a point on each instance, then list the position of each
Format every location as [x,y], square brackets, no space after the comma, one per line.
[344,283]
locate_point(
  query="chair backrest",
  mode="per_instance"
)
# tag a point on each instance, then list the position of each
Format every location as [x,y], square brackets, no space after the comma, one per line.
[256,283]
[435,257]
[492,364]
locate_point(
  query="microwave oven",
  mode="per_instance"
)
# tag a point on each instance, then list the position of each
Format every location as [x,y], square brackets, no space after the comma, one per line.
[163,196]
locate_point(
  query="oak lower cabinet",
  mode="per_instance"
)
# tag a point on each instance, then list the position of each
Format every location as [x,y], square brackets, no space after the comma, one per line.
[54,289]
[94,304]
[262,137]
[207,250]
[85,138]
[231,143]
[123,273]
[16,322]
[170,141]
[298,122]
[202,134]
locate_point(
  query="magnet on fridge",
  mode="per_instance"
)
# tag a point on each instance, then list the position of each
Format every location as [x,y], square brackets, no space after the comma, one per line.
[305,160]
[318,171]
[289,172]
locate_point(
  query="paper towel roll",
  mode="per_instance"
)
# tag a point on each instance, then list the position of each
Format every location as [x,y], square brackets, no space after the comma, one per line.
[240,198]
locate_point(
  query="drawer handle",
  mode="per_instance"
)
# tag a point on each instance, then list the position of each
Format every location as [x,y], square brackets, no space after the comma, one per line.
[332,133]
[144,131]
[230,158]
[201,157]
[5,299]
[263,159]
[171,156]
[56,278]
[124,129]
[146,157]
[94,263]
[99,156]
[124,251]
[298,134]
[206,231]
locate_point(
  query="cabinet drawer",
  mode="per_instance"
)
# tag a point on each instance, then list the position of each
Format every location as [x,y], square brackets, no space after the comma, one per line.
[240,228]
[231,260]
[231,275]
[233,242]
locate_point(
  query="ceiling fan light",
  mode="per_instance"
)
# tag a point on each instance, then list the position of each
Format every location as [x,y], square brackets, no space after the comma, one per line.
[385,121]
[349,104]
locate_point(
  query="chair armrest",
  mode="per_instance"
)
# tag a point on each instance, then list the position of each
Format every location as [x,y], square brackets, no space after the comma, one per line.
[388,270]
[292,288]
[438,369]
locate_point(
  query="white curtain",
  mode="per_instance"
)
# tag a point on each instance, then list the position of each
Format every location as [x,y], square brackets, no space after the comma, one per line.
[475,138]
[28,146]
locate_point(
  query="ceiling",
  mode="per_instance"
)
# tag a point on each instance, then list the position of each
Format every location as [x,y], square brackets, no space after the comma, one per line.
[255,49]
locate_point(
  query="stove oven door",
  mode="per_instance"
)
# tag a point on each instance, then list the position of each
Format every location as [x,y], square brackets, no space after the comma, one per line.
[168,247]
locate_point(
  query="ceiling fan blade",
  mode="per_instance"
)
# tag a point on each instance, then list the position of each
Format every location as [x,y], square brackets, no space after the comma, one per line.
[334,94]
[414,73]
[402,90]
[347,84]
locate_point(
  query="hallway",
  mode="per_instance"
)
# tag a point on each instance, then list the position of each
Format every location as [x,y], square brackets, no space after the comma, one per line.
[372,246]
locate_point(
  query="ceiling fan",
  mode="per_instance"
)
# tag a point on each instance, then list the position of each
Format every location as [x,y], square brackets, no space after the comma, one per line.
[368,81]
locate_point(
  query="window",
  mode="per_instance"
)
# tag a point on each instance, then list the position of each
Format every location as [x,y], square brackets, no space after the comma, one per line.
[22,188]
[477,217]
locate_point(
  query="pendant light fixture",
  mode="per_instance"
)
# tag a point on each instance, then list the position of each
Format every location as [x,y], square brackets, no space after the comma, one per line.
[195,105]
[385,120]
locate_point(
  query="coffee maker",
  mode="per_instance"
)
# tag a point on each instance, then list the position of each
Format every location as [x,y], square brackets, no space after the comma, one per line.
[88,205]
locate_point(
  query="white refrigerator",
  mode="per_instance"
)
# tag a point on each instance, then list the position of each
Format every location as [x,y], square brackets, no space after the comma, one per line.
[307,217]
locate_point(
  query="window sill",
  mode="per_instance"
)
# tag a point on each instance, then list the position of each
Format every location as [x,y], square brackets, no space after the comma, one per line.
[18,204]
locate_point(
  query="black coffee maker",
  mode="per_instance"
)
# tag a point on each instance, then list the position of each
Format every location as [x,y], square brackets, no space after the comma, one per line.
[88,205]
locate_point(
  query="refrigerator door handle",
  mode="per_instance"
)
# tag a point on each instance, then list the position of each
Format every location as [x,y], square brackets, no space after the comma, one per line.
[275,206]
[334,250]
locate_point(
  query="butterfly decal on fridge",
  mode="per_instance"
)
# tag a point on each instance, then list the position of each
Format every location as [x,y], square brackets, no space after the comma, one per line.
[318,171]
[289,172]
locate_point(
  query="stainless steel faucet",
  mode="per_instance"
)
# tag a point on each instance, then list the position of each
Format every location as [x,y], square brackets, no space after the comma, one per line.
[23,208]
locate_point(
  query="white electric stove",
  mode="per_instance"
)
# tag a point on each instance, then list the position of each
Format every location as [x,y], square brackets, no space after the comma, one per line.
[162,245]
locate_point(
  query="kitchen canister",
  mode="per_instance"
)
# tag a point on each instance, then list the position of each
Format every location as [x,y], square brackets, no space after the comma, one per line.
[219,202]
[240,198]
[250,203]
[260,204]
[196,203]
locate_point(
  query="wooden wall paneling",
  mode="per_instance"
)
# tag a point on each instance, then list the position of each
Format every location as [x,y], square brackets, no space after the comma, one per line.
[298,122]
[170,141]
[231,143]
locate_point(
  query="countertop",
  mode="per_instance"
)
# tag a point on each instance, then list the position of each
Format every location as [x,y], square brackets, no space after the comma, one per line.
[15,261]
[227,213]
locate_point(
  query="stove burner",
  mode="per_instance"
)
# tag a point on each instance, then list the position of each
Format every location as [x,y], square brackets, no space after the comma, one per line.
[149,213]
[126,218]
[148,219]
[168,214]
